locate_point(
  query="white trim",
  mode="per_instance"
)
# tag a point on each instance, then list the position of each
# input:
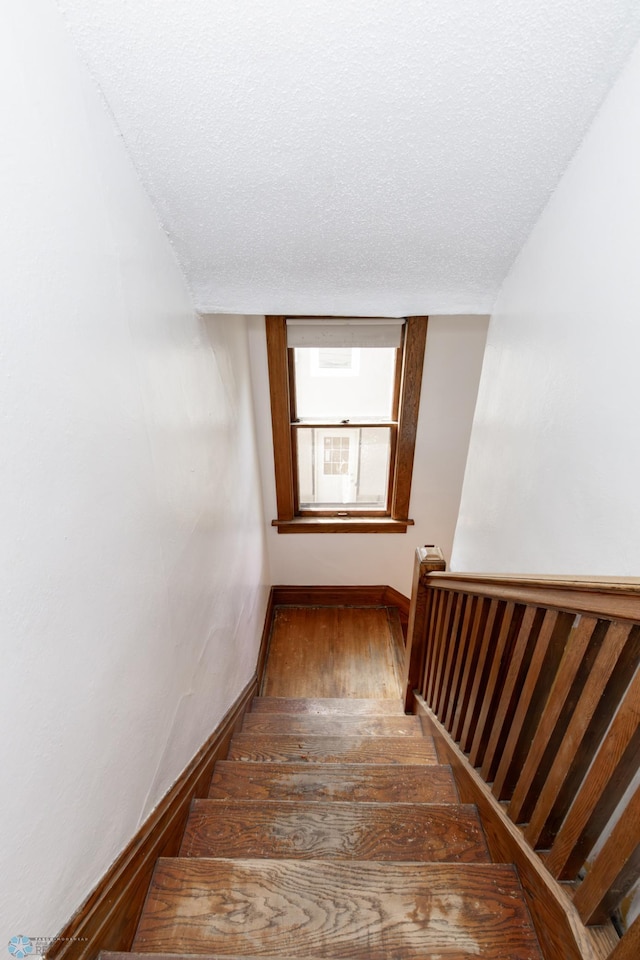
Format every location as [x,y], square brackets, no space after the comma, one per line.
[363,332]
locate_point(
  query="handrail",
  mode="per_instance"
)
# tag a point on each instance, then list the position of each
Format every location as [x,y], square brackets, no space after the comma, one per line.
[628,585]
[537,681]
[618,599]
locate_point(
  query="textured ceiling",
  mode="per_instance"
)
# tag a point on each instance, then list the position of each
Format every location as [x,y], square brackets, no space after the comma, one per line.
[355,156]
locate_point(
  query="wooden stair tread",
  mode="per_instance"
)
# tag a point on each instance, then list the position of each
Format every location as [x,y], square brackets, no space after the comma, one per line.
[328,706]
[119,955]
[344,831]
[410,783]
[285,748]
[363,911]
[115,955]
[334,726]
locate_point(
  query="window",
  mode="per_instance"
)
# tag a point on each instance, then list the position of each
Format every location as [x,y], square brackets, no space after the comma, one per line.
[345,394]
[336,455]
[334,361]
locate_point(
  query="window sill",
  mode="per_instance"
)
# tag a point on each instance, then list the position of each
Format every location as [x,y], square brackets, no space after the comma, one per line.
[342,525]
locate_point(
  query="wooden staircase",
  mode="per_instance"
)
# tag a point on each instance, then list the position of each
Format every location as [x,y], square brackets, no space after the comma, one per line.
[331,831]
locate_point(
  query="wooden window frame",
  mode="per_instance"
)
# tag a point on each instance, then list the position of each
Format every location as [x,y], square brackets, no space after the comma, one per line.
[407,403]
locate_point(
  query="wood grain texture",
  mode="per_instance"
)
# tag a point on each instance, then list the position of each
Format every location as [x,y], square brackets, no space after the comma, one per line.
[499,658]
[113,955]
[329,596]
[433,635]
[328,706]
[265,640]
[575,752]
[470,668]
[379,783]
[615,869]
[276,333]
[601,596]
[363,911]
[426,559]
[283,749]
[331,652]
[536,687]
[299,725]
[629,946]
[449,691]
[342,831]
[440,642]
[412,366]
[447,652]
[397,646]
[480,676]
[613,767]
[518,663]
[108,917]
[317,524]
[393,598]
[560,931]
[547,736]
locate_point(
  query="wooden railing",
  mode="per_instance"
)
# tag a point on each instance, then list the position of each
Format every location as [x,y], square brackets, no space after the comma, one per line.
[536,681]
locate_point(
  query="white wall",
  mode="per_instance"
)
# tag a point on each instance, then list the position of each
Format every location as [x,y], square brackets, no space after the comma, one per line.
[452,369]
[552,479]
[132,548]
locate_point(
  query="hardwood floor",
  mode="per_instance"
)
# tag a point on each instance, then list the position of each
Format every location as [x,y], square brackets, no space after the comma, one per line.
[381,782]
[286,748]
[328,707]
[331,909]
[298,726]
[332,652]
[332,832]
[335,831]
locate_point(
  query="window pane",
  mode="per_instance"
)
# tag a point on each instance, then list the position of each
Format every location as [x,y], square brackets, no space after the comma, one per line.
[344,383]
[335,358]
[343,467]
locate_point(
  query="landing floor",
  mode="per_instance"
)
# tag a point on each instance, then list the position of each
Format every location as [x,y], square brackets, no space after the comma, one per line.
[333,652]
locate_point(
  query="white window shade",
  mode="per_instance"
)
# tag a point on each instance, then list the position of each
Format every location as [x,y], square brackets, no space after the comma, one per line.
[363,332]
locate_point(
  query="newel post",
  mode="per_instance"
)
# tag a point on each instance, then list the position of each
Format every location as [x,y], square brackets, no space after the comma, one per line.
[428,559]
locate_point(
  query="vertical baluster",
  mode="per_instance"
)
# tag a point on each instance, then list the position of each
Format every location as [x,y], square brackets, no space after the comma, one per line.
[470,666]
[451,599]
[619,651]
[580,641]
[450,656]
[629,946]
[438,601]
[499,662]
[545,659]
[460,655]
[520,657]
[430,618]
[424,668]
[609,775]
[480,676]
[614,870]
